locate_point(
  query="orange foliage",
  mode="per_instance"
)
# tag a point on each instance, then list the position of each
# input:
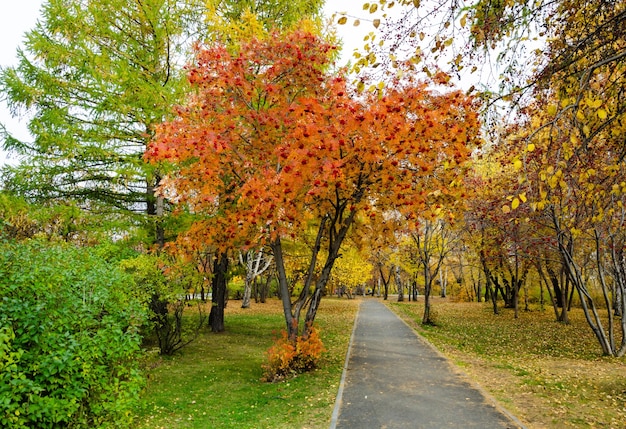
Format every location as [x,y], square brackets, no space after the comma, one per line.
[287,357]
[268,140]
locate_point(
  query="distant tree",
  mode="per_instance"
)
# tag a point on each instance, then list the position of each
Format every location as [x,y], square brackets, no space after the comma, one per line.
[352,270]
[433,240]
[255,263]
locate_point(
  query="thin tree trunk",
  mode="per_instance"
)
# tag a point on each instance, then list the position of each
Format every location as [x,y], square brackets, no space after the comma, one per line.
[218,301]
[283,287]
[399,284]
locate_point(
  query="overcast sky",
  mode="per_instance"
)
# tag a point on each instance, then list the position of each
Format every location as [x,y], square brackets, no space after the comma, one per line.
[22,15]
[15,20]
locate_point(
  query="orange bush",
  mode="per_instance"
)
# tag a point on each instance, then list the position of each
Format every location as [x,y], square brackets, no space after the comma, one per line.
[287,357]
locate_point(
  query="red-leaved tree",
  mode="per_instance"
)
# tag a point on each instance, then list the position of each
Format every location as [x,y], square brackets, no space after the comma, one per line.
[270,142]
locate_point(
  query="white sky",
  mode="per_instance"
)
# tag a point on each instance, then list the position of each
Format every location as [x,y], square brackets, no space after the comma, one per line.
[15,20]
[21,15]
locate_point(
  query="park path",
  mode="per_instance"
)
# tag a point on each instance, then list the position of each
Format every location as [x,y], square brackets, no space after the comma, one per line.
[395,379]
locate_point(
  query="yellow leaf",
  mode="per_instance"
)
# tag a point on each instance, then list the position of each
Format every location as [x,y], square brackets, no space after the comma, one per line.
[356,22]
[506,209]
[366,6]
[530,147]
[463,20]
[376,23]
[517,164]
[552,109]
[342,20]
[552,182]
[602,114]
[373,8]
[416,3]
[594,104]
[523,197]
[515,203]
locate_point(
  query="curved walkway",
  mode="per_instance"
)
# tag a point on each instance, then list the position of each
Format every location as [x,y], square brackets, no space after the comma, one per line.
[394,379]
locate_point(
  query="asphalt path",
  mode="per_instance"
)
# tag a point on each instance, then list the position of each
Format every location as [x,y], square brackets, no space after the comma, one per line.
[395,379]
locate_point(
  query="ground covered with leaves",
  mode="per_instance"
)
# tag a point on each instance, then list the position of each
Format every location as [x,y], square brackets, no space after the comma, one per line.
[216,381]
[547,374]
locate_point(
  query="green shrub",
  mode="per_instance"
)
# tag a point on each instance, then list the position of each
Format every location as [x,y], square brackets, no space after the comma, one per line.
[69,339]
[166,282]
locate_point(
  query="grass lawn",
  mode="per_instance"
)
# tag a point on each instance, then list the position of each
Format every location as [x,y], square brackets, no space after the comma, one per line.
[547,374]
[215,381]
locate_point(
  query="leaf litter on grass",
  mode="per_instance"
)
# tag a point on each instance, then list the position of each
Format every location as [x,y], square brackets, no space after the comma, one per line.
[215,381]
[548,374]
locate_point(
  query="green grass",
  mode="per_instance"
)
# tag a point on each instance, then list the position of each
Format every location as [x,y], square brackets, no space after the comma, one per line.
[548,374]
[215,381]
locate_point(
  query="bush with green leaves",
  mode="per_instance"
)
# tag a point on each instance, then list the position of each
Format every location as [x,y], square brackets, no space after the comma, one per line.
[69,339]
[166,283]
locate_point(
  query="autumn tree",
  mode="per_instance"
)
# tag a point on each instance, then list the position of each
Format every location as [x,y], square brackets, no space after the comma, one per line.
[576,172]
[255,263]
[292,146]
[233,22]
[528,42]
[97,76]
[500,224]
[432,240]
[352,271]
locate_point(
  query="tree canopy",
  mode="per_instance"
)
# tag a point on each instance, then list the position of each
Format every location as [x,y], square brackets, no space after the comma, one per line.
[268,141]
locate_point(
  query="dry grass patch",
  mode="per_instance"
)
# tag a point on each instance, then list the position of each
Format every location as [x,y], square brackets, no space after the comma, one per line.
[548,374]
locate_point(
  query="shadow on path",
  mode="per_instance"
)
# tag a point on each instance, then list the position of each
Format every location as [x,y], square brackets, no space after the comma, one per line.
[394,379]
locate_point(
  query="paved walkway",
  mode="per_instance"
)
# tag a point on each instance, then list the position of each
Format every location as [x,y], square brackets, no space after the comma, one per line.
[394,379]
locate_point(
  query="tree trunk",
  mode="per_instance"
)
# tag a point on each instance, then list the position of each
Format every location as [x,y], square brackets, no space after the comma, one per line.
[384,280]
[399,285]
[265,288]
[155,206]
[291,324]
[443,281]
[426,319]
[218,285]
[255,264]
[247,293]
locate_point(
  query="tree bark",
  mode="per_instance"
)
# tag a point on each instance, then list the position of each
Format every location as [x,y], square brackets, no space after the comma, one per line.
[255,265]
[283,287]
[399,284]
[218,285]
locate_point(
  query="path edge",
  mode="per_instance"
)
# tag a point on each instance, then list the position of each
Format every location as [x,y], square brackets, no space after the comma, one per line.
[335,416]
[490,398]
